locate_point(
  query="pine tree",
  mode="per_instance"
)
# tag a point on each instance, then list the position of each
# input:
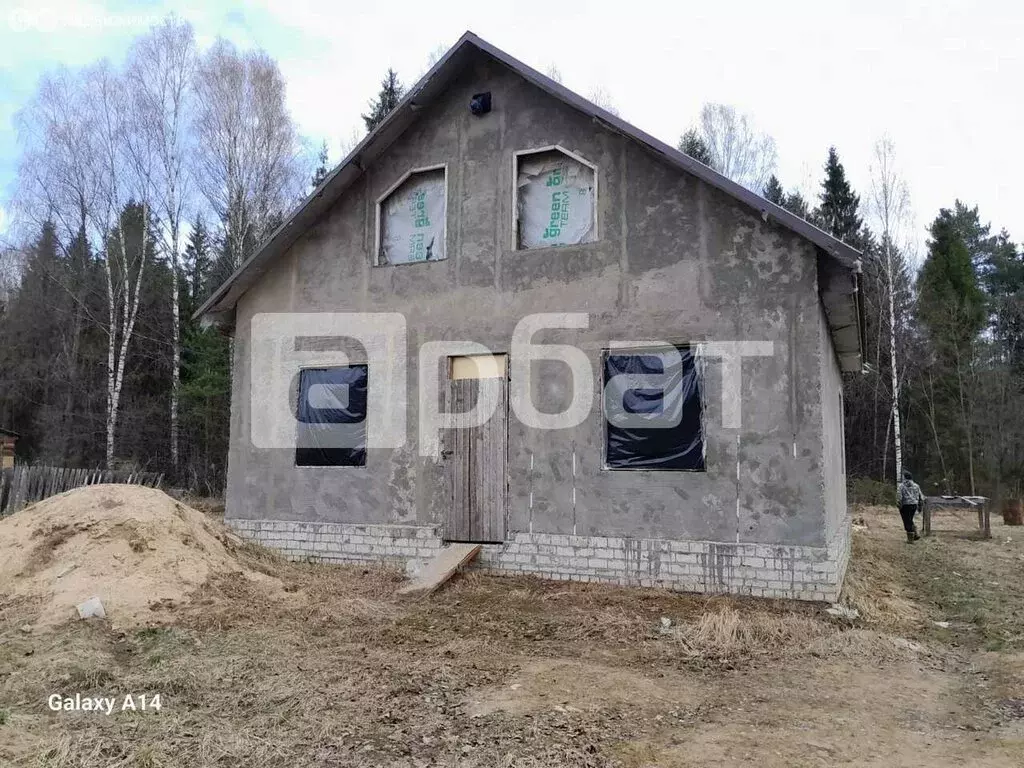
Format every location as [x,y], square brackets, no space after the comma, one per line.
[773,191]
[390,94]
[321,170]
[837,212]
[693,145]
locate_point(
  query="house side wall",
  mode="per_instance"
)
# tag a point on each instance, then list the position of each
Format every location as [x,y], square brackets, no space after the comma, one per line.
[676,260]
[833,439]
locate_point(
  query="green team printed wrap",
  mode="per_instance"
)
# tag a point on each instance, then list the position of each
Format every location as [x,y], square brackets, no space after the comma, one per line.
[556,201]
[412,220]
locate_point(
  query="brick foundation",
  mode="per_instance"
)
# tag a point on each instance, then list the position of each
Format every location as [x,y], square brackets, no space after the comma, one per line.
[762,570]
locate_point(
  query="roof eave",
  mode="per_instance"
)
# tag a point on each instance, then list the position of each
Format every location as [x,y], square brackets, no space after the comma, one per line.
[333,186]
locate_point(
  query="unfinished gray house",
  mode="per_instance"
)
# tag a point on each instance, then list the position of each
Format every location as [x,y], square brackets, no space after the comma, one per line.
[493,194]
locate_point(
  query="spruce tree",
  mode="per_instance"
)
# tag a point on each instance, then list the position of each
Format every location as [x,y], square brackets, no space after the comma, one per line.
[321,170]
[773,191]
[792,201]
[693,145]
[31,330]
[951,303]
[390,94]
[1004,283]
[197,262]
[978,238]
[795,204]
[951,307]
[206,404]
[837,212]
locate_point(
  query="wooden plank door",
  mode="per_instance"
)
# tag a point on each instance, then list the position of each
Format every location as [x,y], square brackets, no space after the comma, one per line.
[476,456]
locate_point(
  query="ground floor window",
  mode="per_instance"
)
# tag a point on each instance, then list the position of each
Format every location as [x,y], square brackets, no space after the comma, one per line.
[653,410]
[331,416]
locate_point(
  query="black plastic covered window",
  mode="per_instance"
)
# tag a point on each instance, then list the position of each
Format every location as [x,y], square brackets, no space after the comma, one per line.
[331,417]
[653,427]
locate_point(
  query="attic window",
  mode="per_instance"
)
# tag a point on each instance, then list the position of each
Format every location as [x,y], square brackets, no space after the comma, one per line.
[411,218]
[556,199]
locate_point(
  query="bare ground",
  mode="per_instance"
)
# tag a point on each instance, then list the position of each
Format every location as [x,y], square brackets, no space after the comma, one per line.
[521,672]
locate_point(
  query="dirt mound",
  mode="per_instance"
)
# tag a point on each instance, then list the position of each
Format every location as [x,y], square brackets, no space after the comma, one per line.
[137,549]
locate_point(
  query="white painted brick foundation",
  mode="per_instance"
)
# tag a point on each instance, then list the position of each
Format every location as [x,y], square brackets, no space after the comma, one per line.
[762,570]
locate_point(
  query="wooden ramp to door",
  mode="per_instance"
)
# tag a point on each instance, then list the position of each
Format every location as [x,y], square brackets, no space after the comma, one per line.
[441,568]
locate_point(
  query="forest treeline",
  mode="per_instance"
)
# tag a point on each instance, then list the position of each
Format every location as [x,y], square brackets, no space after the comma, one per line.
[141,187]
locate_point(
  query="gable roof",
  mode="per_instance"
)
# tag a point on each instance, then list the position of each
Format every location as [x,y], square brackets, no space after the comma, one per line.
[844,317]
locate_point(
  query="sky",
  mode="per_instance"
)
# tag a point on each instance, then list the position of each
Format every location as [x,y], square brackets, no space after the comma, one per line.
[943,80]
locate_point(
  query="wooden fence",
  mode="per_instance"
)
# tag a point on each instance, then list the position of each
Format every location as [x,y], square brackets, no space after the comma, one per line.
[26,484]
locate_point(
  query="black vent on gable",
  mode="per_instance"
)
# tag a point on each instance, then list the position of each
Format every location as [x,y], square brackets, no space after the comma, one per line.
[480,104]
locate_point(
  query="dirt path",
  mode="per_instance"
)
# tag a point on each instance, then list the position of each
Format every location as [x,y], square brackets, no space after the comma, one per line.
[525,673]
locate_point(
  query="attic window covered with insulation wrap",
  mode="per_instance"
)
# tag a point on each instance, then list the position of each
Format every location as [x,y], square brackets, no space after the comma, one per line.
[412,219]
[556,197]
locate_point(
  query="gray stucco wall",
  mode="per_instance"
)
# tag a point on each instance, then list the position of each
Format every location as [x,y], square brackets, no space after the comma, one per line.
[833,439]
[676,260]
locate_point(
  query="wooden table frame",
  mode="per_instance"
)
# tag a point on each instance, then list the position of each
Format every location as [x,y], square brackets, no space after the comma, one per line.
[978,503]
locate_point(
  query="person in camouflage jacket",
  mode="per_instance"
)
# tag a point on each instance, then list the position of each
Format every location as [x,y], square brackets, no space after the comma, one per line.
[910,498]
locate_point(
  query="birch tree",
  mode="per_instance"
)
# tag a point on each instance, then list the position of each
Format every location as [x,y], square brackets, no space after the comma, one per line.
[11,259]
[123,167]
[736,147]
[602,97]
[247,148]
[160,72]
[889,203]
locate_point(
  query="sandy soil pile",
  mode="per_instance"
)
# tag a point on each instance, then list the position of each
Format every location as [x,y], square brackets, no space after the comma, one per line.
[137,549]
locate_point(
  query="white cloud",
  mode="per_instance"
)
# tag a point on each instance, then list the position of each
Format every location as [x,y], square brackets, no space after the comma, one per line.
[941,79]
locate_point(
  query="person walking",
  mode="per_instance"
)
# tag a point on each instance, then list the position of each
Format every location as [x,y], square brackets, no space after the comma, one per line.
[910,498]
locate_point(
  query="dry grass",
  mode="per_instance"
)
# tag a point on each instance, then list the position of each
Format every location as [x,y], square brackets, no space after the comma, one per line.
[210,506]
[342,673]
[724,634]
[877,584]
[346,674]
[953,576]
